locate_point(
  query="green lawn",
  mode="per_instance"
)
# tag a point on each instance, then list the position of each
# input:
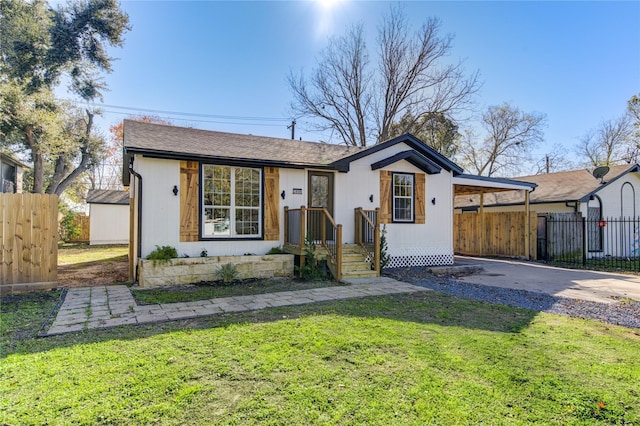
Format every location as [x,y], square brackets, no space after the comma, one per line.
[82,253]
[424,358]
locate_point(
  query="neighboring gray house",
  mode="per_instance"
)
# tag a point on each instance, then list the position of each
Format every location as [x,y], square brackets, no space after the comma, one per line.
[11,171]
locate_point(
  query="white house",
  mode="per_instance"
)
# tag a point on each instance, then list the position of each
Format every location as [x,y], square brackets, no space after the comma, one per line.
[232,194]
[608,201]
[108,216]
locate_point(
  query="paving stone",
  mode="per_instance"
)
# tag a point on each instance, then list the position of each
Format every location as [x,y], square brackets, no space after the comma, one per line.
[207,310]
[181,314]
[142,319]
[114,322]
[65,329]
[232,308]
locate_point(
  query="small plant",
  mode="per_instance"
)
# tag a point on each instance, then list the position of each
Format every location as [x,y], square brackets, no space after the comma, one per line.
[276,250]
[204,253]
[313,268]
[163,253]
[227,273]
[384,255]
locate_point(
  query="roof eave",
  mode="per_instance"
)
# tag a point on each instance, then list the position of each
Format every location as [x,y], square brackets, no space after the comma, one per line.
[173,155]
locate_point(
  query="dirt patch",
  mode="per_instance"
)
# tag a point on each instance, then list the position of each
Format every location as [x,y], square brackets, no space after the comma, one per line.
[91,274]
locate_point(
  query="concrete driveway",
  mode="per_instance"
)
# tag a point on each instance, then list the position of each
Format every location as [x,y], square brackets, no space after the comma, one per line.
[577,284]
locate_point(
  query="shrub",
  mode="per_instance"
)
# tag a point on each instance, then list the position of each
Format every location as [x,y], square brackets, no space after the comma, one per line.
[313,268]
[163,253]
[384,255]
[276,250]
[227,273]
[69,228]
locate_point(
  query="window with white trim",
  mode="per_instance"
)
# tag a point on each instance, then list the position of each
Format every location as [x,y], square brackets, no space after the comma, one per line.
[231,202]
[403,197]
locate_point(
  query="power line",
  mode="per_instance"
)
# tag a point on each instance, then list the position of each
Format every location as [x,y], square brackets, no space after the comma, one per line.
[187,114]
[191,120]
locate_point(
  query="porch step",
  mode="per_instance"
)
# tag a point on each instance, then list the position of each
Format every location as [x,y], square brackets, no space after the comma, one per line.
[354,264]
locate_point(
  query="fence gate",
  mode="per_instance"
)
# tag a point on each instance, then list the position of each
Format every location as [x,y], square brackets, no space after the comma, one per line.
[29,237]
[610,244]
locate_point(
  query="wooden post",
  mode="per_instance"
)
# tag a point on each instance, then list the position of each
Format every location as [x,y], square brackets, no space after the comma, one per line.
[303,216]
[527,224]
[323,227]
[339,253]
[481,236]
[357,238]
[286,225]
[303,225]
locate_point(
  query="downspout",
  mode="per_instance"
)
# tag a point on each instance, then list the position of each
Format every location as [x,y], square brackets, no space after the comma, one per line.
[139,224]
[575,205]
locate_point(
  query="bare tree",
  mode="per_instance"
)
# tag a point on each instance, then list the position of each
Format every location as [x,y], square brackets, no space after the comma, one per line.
[505,150]
[555,160]
[361,101]
[609,143]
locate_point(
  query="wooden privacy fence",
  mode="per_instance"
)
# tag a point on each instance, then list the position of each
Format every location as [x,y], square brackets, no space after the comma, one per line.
[495,234]
[29,236]
[82,224]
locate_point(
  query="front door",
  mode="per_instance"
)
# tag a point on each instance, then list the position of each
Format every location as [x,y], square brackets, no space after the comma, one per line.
[320,195]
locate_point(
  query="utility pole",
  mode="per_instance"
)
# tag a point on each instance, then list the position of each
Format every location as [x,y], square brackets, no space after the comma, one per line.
[293,129]
[547,164]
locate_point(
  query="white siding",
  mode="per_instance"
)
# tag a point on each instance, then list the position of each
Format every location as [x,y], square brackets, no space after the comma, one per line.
[108,224]
[409,244]
[430,243]
[618,197]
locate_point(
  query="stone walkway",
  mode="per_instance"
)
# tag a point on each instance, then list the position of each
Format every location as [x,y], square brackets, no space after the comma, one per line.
[112,306]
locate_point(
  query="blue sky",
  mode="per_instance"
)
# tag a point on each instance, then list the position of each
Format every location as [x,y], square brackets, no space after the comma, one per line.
[577,62]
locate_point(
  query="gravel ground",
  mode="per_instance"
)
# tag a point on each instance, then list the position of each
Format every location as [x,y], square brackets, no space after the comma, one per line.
[621,312]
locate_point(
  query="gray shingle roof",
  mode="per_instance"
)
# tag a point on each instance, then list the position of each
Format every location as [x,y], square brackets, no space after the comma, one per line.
[106,196]
[573,185]
[166,140]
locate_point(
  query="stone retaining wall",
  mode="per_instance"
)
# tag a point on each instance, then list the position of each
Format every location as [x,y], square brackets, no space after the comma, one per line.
[155,273]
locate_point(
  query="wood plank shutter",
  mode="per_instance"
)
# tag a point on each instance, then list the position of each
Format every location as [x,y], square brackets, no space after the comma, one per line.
[189,198]
[385,197]
[271,204]
[420,196]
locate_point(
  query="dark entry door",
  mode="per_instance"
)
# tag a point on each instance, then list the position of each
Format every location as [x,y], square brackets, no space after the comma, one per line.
[320,195]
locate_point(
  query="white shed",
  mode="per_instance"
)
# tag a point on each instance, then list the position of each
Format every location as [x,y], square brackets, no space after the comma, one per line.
[108,216]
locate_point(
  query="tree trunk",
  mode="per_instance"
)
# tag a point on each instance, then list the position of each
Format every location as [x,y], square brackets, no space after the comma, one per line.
[36,156]
[84,161]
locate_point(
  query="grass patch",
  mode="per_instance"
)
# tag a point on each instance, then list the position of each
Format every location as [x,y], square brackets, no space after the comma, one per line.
[423,358]
[82,253]
[203,291]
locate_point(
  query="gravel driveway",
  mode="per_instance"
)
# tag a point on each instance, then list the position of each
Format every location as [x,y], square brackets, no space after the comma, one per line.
[614,310]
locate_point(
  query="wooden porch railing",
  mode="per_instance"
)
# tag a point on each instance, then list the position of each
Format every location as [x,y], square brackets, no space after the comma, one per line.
[367,234]
[317,225]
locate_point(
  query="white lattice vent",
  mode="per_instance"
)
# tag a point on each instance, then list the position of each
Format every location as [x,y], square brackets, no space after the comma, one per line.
[419,256]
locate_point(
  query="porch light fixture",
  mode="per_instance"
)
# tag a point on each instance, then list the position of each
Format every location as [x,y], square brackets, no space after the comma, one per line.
[433,201]
[175,190]
[283,194]
[371,198]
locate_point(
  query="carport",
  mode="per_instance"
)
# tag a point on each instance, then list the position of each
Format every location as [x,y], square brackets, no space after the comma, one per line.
[500,234]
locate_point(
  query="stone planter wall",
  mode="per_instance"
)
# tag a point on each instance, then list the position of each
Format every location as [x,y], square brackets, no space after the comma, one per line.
[155,273]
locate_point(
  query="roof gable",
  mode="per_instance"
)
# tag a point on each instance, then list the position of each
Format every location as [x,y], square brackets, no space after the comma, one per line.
[413,157]
[411,141]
